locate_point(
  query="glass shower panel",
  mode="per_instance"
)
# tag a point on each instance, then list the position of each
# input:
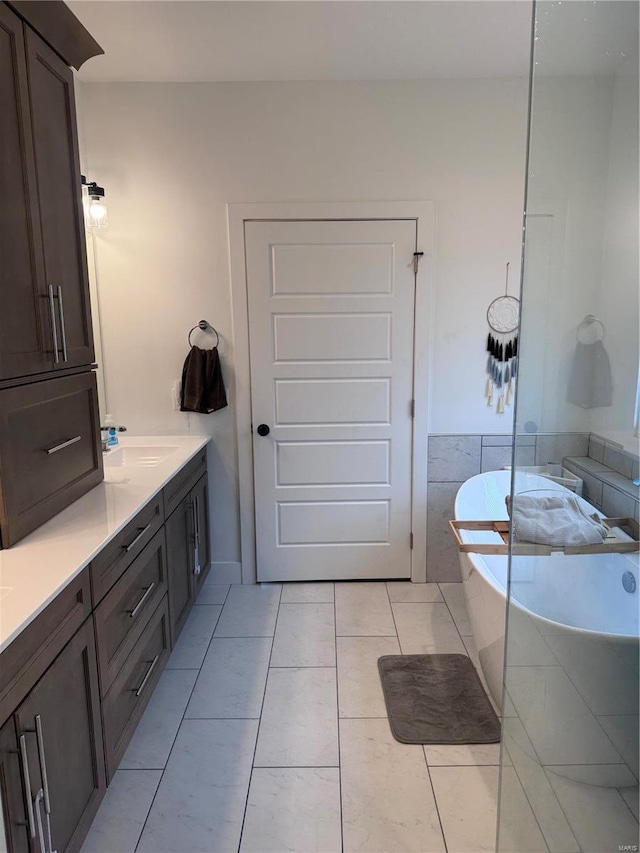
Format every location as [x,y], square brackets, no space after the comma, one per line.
[569,762]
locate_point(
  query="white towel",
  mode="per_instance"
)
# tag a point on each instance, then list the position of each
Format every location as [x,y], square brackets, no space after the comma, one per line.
[556,520]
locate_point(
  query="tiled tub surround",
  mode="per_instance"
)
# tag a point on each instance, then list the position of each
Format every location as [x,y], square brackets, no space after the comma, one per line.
[35,570]
[454,458]
[608,474]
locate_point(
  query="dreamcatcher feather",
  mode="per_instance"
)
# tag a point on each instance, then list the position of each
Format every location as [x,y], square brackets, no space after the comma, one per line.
[503,316]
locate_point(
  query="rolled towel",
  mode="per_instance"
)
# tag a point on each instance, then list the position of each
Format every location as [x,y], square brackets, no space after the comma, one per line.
[558,521]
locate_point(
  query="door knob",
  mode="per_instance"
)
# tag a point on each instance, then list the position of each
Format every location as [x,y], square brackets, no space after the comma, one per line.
[263,430]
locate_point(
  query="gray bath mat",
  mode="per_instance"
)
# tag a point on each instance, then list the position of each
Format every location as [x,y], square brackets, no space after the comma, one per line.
[436,699]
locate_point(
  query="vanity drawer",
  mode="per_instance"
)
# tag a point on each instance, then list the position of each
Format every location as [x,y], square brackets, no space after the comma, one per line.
[123,549]
[26,659]
[50,450]
[121,616]
[125,702]
[184,481]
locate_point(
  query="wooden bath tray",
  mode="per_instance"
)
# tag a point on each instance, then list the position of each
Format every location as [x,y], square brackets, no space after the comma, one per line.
[612,544]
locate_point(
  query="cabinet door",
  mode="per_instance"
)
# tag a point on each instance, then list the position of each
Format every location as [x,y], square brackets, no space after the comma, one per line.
[14,829]
[179,532]
[25,333]
[200,507]
[60,720]
[55,143]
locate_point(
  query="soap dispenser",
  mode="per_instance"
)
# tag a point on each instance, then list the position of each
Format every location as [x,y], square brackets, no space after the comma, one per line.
[112,434]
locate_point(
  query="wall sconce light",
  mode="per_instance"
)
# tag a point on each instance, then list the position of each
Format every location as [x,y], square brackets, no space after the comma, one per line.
[95,210]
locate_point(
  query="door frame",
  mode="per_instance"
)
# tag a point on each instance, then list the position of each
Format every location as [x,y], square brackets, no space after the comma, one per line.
[423,213]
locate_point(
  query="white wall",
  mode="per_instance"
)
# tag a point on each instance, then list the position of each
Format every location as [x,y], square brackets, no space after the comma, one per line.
[171,156]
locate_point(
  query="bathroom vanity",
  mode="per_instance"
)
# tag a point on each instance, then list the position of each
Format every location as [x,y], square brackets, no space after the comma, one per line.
[91,605]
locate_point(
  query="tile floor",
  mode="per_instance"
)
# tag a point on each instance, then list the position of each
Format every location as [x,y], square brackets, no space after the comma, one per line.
[268,733]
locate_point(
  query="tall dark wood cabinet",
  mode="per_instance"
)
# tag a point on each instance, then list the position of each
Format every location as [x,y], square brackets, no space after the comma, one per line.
[25,330]
[45,311]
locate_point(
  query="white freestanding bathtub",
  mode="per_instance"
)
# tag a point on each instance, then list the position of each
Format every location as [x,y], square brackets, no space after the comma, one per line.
[572,668]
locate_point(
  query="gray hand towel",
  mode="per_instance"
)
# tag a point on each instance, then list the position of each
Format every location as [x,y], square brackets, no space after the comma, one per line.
[590,383]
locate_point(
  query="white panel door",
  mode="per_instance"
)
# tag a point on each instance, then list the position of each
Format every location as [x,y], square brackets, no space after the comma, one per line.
[331,341]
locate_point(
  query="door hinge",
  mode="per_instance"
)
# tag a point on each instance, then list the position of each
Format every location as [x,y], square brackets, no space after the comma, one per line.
[411,541]
[412,407]
[416,261]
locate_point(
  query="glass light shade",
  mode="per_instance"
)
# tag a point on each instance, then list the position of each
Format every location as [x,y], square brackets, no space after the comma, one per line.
[96,213]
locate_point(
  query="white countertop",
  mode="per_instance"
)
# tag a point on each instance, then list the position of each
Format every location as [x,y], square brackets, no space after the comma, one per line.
[36,569]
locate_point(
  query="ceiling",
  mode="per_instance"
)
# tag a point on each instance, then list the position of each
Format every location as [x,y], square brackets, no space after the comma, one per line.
[183,40]
[253,40]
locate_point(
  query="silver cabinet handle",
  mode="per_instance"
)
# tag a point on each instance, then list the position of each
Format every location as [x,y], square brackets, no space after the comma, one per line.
[64,444]
[63,328]
[147,675]
[27,785]
[54,329]
[133,613]
[43,764]
[39,798]
[133,544]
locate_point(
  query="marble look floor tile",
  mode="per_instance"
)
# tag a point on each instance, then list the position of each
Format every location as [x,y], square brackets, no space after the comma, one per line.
[362,609]
[200,803]
[599,817]
[152,740]
[305,635]
[195,637]
[457,603]
[232,679]
[518,829]
[542,694]
[310,591]
[427,629]
[473,754]
[359,687]
[299,725]
[250,611]
[213,593]
[551,819]
[623,731]
[467,803]
[631,797]
[293,809]
[387,800]
[416,592]
[123,812]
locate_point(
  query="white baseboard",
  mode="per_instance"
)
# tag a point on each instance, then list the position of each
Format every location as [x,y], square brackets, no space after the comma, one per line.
[225,573]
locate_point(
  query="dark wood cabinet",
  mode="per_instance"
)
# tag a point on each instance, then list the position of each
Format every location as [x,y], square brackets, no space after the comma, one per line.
[13,813]
[45,312]
[186,502]
[179,532]
[49,450]
[25,331]
[55,144]
[60,729]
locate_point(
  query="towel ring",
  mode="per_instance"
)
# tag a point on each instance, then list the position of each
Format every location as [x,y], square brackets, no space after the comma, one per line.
[588,321]
[204,326]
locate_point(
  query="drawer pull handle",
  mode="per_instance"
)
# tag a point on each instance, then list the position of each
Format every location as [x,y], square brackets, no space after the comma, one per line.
[27,785]
[133,613]
[133,544]
[147,675]
[54,333]
[63,328]
[63,445]
[43,764]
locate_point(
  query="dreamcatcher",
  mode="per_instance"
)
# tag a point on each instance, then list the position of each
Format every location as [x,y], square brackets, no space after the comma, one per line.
[503,316]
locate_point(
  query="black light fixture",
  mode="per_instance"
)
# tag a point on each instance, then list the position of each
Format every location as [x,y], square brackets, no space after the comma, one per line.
[95,210]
